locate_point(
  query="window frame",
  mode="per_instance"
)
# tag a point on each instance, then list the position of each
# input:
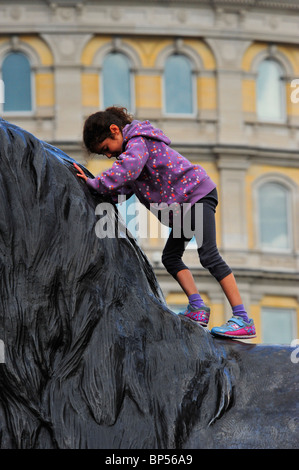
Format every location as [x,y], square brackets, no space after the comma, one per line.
[283,102]
[269,249]
[293,320]
[193,89]
[20,113]
[131,80]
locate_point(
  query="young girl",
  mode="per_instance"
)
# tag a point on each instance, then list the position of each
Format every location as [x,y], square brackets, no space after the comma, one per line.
[147,166]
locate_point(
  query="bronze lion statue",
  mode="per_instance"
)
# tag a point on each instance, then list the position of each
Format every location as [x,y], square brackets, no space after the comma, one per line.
[94,359]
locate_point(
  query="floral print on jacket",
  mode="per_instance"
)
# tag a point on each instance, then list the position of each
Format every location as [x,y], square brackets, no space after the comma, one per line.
[149,168]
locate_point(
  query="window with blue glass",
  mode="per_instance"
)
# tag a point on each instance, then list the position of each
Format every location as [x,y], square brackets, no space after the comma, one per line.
[274,216]
[16,75]
[129,210]
[278,325]
[117,81]
[270,92]
[178,85]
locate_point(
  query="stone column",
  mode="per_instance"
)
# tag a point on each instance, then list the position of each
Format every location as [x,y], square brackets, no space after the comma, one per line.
[229,53]
[67,72]
[234,230]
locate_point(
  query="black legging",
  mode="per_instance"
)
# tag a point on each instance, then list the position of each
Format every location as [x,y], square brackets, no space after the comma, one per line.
[208,252]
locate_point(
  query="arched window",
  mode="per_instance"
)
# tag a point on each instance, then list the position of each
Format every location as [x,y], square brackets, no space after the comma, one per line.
[117,86]
[270,91]
[274,216]
[16,75]
[278,325]
[178,85]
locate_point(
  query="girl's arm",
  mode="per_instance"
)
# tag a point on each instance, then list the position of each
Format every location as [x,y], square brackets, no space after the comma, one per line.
[124,170]
[124,193]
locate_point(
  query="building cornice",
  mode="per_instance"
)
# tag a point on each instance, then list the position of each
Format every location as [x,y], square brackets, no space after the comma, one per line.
[257,4]
[259,20]
[230,152]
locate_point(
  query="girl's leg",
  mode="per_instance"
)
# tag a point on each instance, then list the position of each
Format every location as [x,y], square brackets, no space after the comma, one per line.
[239,326]
[186,281]
[172,260]
[230,288]
[211,260]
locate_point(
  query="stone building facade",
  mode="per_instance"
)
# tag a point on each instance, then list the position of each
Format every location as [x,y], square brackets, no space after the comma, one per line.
[221,78]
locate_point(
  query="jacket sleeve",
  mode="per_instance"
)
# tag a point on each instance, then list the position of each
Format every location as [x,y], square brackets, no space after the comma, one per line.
[124,170]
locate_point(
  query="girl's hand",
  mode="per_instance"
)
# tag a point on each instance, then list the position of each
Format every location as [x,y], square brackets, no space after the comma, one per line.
[81,173]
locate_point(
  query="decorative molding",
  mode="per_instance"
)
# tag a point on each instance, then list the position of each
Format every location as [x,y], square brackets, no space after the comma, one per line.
[201,18]
[272,52]
[178,46]
[14,45]
[117,45]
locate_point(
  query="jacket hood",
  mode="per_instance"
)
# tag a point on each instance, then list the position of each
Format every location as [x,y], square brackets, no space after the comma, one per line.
[144,129]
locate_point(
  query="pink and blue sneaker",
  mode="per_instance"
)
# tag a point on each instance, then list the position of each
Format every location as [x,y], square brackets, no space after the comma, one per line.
[235,328]
[200,315]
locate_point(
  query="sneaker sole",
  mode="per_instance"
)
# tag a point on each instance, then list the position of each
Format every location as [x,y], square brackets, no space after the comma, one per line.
[223,335]
[194,321]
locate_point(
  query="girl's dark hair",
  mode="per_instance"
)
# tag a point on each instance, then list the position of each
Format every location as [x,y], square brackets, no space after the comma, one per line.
[97,126]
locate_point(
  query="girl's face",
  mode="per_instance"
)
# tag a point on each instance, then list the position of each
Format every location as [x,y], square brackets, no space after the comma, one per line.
[112,146]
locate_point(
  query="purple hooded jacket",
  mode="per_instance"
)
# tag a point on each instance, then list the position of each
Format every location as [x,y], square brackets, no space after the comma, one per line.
[149,168]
